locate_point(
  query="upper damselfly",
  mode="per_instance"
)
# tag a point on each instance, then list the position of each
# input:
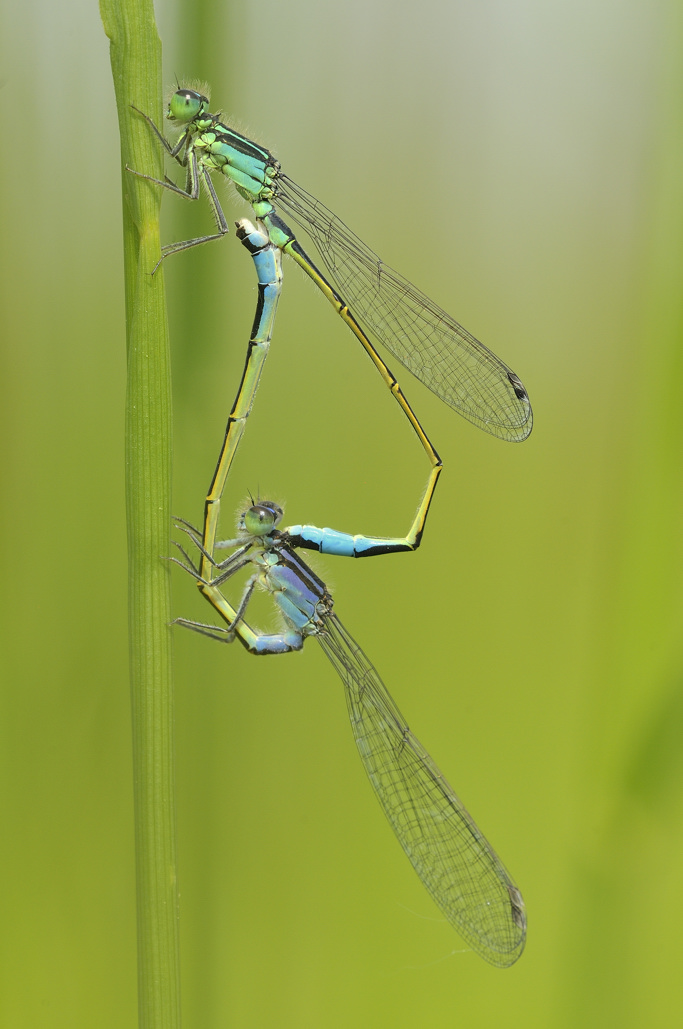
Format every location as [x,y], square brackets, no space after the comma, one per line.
[375,301]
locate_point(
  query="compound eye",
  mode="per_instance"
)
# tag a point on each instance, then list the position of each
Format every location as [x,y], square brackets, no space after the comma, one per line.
[186,105]
[259,520]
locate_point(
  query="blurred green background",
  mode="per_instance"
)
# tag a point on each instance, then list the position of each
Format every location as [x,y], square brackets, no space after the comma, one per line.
[522,162]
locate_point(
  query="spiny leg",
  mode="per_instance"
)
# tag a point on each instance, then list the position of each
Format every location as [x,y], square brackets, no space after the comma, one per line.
[224,544]
[191,192]
[216,210]
[172,151]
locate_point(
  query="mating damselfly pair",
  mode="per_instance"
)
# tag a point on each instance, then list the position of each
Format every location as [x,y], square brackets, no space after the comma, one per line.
[453,859]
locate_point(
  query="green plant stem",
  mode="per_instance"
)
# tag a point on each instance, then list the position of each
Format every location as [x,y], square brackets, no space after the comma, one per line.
[136,67]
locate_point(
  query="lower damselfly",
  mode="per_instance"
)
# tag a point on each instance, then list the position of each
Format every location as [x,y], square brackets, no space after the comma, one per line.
[452,857]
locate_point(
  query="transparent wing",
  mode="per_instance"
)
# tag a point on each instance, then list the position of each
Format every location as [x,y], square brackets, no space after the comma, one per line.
[452,858]
[424,338]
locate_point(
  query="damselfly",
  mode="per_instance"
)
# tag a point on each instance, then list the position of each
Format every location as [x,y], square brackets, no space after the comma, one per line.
[451,856]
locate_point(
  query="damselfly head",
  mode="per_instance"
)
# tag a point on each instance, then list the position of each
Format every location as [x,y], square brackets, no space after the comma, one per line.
[260,519]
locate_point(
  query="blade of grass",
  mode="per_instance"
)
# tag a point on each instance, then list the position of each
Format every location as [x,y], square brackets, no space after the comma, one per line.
[136,66]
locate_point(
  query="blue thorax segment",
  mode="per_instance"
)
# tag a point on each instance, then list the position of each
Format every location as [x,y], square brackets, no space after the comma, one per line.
[341,544]
[299,593]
